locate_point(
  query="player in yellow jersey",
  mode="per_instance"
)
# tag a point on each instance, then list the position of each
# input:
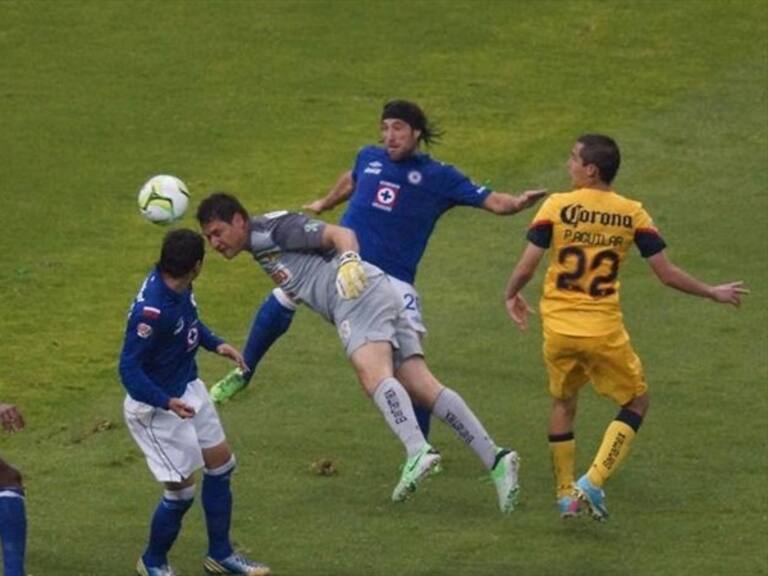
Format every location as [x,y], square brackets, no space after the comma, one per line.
[589,233]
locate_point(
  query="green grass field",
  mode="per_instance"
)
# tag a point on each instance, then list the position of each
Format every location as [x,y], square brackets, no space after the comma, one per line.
[271,100]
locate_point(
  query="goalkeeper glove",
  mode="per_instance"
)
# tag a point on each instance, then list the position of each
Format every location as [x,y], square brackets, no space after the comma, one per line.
[350,276]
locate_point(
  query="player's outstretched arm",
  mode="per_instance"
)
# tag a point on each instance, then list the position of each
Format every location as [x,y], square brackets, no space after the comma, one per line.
[340,192]
[11,418]
[679,279]
[503,203]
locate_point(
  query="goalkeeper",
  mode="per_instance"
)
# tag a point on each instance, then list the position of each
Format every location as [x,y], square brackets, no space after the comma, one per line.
[317,264]
[396,194]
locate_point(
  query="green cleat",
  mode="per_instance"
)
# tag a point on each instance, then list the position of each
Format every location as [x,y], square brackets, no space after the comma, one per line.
[228,386]
[414,471]
[504,475]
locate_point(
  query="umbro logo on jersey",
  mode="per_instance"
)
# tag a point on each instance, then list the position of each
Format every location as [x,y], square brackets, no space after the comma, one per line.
[373,167]
[414,177]
[386,196]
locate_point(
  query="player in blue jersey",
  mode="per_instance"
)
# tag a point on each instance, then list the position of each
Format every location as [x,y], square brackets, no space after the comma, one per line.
[168,411]
[396,196]
[13,516]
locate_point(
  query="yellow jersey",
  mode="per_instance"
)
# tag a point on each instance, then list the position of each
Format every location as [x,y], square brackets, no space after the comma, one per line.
[590,233]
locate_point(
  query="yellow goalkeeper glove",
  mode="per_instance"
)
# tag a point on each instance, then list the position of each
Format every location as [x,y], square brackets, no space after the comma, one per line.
[350,276]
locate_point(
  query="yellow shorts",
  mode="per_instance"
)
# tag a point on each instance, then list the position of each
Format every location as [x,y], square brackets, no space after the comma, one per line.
[608,361]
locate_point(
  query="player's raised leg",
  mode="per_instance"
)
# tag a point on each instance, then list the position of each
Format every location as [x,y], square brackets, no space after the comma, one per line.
[613,449]
[13,520]
[272,320]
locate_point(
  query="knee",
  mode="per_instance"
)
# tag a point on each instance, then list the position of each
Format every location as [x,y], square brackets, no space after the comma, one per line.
[639,405]
[9,476]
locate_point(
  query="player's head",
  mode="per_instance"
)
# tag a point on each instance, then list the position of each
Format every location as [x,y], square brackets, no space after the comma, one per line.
[224,222]
[403,127]
[182,253]
[595,159]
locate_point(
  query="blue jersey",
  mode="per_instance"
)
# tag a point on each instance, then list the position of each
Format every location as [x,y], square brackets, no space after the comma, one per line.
[396,205]
[161,340]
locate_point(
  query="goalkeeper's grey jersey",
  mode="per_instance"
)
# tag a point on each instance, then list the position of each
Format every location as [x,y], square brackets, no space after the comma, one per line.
[288,247]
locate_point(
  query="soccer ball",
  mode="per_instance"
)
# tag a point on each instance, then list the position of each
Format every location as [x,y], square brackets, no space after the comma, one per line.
[163,199]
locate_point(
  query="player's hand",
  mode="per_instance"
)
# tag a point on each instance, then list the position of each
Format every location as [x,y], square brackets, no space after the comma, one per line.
[315,207]
[233,354]
[350,276]
[518,310]
[11,418]
[181,408]
[729,293]
[529,198]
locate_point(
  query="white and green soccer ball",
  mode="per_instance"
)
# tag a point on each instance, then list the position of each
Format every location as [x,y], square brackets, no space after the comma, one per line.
[163,199]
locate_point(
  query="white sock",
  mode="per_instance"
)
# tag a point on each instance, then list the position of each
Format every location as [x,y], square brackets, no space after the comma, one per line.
[394,403]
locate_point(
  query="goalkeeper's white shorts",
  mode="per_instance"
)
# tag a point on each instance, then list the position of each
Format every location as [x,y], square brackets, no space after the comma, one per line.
[173,446]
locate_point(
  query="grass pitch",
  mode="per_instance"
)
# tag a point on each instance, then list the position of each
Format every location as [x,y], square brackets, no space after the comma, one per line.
[271,100]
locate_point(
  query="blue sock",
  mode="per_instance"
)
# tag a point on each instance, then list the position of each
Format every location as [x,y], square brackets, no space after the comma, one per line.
[217,505]
[13,530]
[270,322]
[166,525]
[423,416]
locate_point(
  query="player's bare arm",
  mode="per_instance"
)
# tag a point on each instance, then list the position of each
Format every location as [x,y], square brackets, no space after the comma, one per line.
[517,308]
[11,418]
[679,279]
[229,351]
[340,193]
[503,203]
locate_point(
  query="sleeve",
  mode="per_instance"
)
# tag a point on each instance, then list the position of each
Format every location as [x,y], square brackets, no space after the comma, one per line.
[208,339]
[358,165]
[140,337]
[540,230]
[647,237]
[461,190]
[293,231]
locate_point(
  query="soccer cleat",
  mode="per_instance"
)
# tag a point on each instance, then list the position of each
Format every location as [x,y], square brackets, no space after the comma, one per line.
[414,471]
[593,496]
[235,564]
[504,475]
[569,506]
[228,386]
[143,570]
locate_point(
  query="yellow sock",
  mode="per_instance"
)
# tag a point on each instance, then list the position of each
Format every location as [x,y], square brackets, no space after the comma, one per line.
[563,451]
[614,448]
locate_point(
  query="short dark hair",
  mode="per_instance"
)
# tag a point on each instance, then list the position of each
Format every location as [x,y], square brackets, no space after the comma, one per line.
[414,116]
[603,152]
[220,206]
[182,250]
